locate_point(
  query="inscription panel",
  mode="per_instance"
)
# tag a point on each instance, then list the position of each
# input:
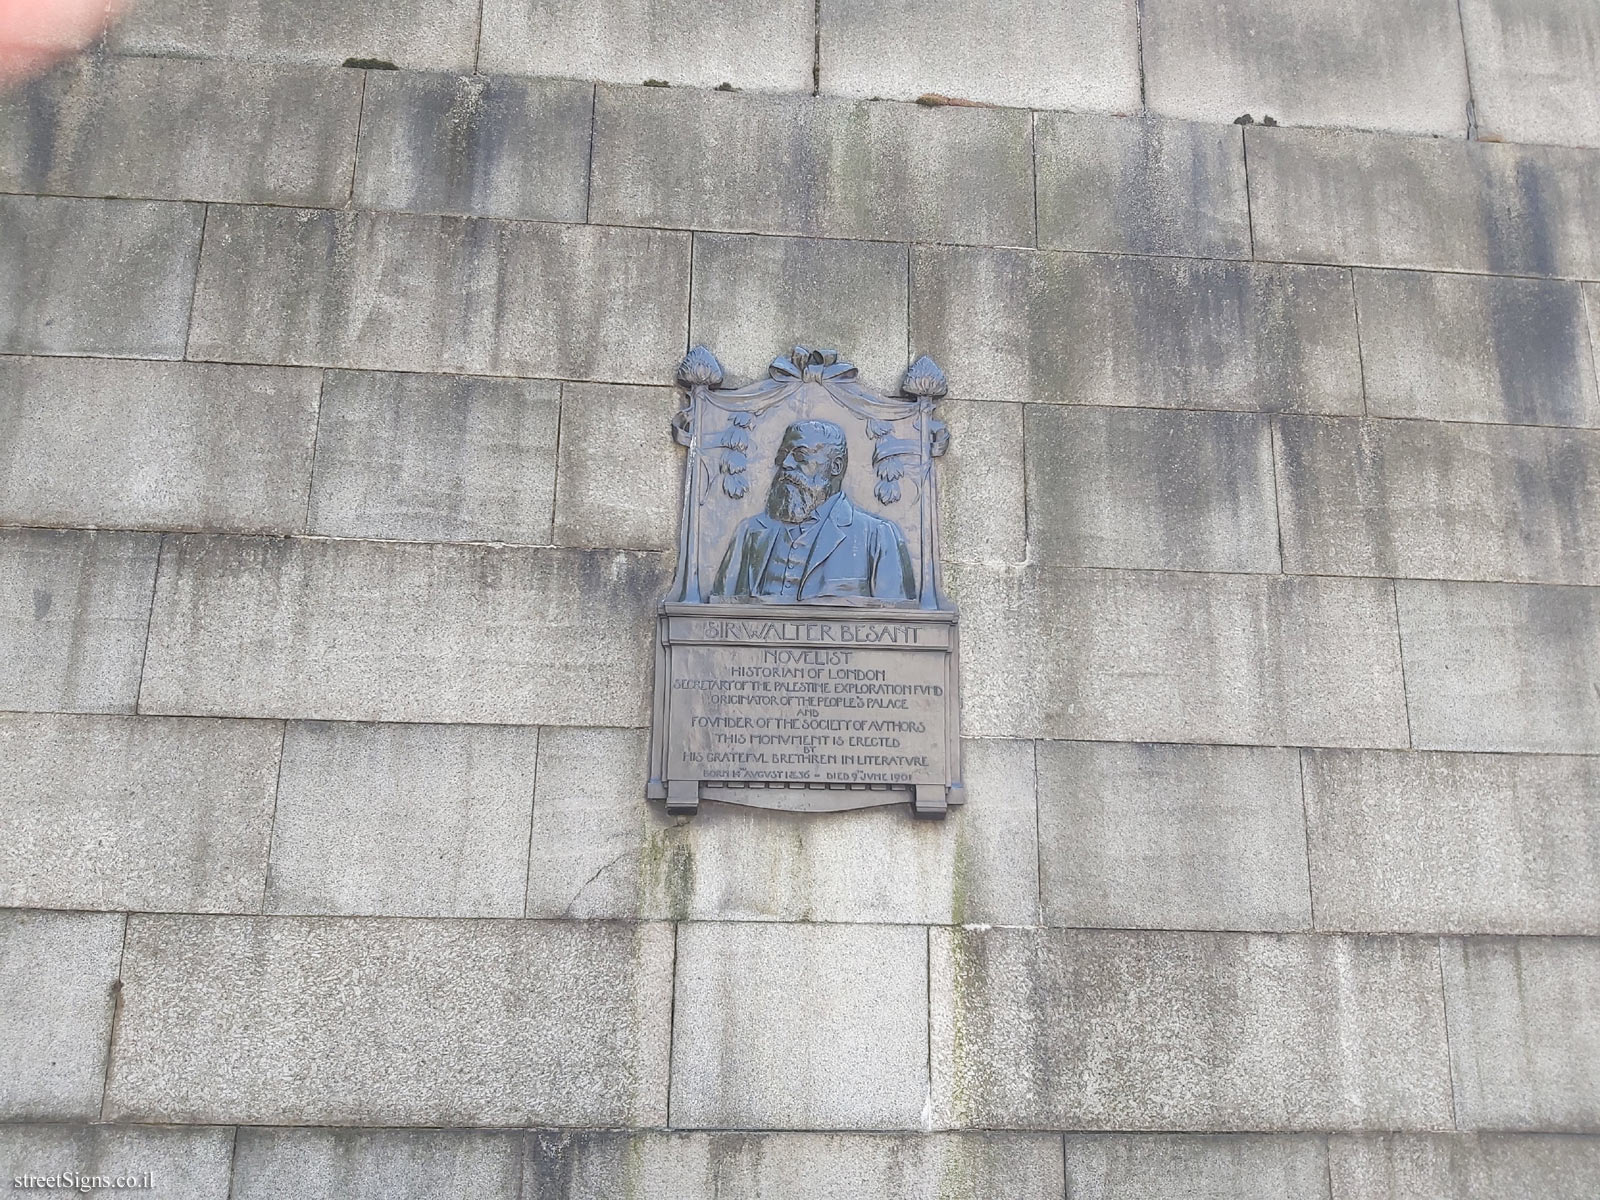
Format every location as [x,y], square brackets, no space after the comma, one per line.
[810,702]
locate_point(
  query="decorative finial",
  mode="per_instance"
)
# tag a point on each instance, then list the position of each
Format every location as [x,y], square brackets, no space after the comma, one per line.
[701,367]
[925,379]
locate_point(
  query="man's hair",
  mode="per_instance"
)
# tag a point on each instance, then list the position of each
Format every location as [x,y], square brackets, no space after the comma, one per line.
[822,431]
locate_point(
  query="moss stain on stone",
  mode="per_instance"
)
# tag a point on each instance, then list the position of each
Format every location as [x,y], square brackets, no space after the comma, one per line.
[667,870]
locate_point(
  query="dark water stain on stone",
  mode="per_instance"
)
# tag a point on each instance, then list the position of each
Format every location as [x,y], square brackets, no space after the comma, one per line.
[42,602]
[1537,333]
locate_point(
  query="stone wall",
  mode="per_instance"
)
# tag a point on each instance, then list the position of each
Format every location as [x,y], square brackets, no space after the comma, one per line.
[337,494]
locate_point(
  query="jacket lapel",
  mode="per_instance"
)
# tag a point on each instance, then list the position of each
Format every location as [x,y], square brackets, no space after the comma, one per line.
[829,537]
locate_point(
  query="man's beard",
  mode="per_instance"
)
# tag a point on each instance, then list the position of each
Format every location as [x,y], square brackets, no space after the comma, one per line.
[793,497]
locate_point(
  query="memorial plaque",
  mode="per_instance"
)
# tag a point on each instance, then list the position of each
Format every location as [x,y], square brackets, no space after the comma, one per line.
[807,655]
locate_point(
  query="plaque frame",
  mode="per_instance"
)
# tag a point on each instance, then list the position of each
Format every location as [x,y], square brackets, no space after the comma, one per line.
[877,618]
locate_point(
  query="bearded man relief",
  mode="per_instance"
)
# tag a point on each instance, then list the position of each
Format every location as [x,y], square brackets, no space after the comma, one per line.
[812,542]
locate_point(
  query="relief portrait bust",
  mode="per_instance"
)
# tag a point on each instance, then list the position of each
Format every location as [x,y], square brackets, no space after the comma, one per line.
[812,542]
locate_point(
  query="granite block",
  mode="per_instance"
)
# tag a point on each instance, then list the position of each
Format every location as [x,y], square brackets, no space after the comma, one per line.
[983,483]
[58,976]
[744,44]
[182,1164]
[1142,185]
[1460,843]
[435,458]
[770,1021]
[599,851]
[794,1166]
[402,820]
[415,35]
[393,291]
[1456,1166]
[1533,65]
[365,631]
[1142,332]
[340,1021]
[1367,64]
[1525,1032]
[1141,488]
[682,159]
[475,145]
[1476,348]
[1196,1167]
[1081,54]
[373,1164]
[1171,837]
[1427,203]
[99,277]
[619,474]
[149,813]
[1494,666]
[755,297]
[155,445]
[1178,657]
[183,129]
[74,612]
[1050,1029]
[1439,500]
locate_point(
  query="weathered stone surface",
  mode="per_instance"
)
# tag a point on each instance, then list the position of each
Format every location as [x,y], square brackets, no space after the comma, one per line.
[983,483]
[402,820]
[368,631]
[598,851]
[103,277]
[1437,500]
[427,293]
[1146,185]
[1153,333]
[74,609]
[392,1022]
[1464,843]
[794,1166]
[435,458]
[1135,487]
[371,1164]
[1434,204]
[183,129]
[1456,1166]
[151,813]
[1371,64]
[1083,54]
[769,1020]
[184,1164]
[1501,666]
[1046,1029]
[619,477]
[1533,65]
[823,168]
[475,145]
[1524,1032]
[1195,1167]
[1476,348]
[754,297]
[155,445]
[742,44]
[1171,837]
[414,34]
[1179,657]
[56,974]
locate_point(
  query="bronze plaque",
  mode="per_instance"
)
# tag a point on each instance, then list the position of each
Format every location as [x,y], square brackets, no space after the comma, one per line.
[807,655]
